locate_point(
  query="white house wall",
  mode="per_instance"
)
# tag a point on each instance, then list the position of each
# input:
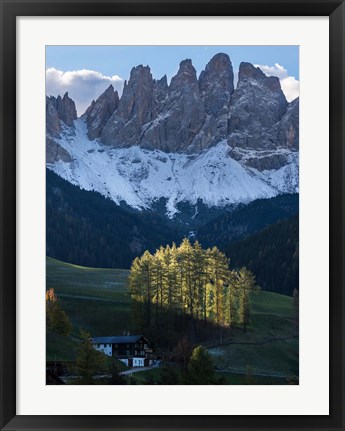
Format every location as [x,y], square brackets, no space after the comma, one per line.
[107,349]
[138,362]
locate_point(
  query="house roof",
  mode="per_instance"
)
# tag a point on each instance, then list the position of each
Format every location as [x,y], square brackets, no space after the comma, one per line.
[120,339]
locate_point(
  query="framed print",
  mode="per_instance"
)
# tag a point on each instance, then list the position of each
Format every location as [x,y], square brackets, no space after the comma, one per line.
[172,215]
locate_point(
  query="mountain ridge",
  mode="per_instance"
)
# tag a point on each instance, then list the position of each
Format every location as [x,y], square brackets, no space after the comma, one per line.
[85,228]
[198,138]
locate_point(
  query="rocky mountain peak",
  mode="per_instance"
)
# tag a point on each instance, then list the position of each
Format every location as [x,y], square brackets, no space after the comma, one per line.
[191,114]
[288,127]
[160,93]
[216,84]
[52,117]
[59,108]
[66,109]
[257,105]
[109,91]
[140,71]
[186,67]
[139,80]
[248,71]
[180,123]
[136,98]
[135,108]
[162,83]
[110,88]
[100,111]
[219,62]
[218,77]
[209,141]
[186,76]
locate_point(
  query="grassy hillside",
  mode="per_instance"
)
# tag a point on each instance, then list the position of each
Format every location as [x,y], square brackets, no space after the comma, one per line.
[268,346]
[97,300]
[98,283]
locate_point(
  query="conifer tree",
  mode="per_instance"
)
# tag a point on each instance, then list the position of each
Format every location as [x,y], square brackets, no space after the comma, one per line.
[89,361]
[146,263]
[199,276]
[231,300]
[185,259]
[137,292]
[245,284]
[189,282]
[201,368]
[171,268]
[220,277]
[56,319]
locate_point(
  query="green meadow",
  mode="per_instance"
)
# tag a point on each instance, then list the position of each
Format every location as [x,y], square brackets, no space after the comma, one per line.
[97,301]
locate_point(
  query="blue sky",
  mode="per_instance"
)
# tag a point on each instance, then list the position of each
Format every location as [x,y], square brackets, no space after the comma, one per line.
[112,64]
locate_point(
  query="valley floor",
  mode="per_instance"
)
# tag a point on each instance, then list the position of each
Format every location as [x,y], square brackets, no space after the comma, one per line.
[97,300]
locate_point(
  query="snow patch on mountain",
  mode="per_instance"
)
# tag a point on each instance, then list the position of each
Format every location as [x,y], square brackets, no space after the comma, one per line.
[139,177]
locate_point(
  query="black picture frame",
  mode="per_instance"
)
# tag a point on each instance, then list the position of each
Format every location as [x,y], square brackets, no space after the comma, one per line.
[9,10]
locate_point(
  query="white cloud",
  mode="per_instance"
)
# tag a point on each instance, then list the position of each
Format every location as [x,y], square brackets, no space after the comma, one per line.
[290,87]
[289,84]
[82,85]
